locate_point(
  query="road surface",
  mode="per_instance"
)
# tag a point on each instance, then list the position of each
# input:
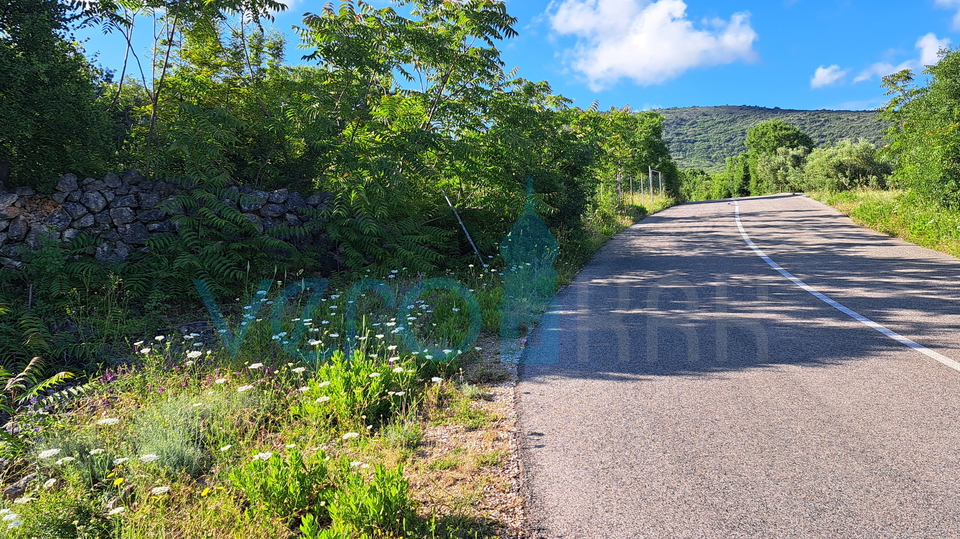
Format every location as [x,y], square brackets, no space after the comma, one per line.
[700,392]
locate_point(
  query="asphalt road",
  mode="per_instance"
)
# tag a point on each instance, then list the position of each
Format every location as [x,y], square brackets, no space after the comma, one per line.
[700,393]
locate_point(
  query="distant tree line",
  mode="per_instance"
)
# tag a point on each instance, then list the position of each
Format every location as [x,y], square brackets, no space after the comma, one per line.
[782,158]
[703,137]
[921,155]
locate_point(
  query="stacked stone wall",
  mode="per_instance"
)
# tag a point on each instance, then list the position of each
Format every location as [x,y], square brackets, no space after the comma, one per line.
[124,211]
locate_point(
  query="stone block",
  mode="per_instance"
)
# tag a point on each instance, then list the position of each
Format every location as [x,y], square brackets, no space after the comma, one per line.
[272,210]
[317,199]
[67,183]
[10,212]
[121,251]
[94,201]
[84,222]
[76,210]
[103,252]
[162,226]
[95,185]
[70,233]
[125,201]
[151,216]
[17,230]
[122,216]
[295,201]
[110,234]
[255,220]
[279,196]
[60,219]
[149,199]
[252,202]
[134,233]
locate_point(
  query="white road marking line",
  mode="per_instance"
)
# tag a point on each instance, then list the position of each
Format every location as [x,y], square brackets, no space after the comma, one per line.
[847,311]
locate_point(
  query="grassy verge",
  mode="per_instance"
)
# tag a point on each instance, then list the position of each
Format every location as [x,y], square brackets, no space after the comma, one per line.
[183,438]
[899,214]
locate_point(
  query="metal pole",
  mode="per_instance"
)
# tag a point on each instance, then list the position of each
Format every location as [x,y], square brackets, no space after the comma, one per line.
[650,179]
[464,227]
[660,176]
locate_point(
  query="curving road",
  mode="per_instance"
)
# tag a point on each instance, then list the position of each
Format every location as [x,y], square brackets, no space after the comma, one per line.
[699,392]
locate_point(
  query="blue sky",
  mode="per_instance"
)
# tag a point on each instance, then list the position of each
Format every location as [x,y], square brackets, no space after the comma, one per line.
[801,54]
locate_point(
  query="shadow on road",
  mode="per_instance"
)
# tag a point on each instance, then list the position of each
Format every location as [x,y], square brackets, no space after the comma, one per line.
[681,294]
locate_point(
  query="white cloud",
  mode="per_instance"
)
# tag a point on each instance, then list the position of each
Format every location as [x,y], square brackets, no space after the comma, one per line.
[882,69]
[826,76]
[646,41]
[952,4]
[929,47]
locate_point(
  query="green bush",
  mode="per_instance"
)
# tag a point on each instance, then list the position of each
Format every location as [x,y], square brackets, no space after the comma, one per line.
[847,165]
[288,487]
[351,394]
[375,508]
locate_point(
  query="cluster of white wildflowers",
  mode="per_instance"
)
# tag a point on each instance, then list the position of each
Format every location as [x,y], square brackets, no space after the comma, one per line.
[11,519]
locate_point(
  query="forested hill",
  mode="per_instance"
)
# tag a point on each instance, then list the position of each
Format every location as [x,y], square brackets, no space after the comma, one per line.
[703,137]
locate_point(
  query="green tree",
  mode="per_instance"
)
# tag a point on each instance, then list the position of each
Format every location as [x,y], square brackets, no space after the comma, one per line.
[736,178]
[631,144]
[924,138]
[765,140]
[846,165]
[54,120]
[696,184]
[783,170]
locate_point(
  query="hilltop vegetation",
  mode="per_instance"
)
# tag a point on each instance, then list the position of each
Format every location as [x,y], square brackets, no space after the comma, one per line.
[704,137]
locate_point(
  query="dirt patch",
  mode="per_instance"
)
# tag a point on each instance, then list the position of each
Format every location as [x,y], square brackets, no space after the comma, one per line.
[475,471]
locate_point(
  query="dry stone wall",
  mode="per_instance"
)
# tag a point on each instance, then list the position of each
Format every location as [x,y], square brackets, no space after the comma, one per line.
[123,212]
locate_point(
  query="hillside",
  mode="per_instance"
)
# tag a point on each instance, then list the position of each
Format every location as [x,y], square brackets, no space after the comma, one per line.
[703,137]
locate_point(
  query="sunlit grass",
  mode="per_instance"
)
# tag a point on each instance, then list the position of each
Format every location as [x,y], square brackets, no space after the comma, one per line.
[186,439]
[259,444]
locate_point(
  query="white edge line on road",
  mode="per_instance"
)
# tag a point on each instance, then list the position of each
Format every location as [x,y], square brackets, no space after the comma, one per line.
[849,312]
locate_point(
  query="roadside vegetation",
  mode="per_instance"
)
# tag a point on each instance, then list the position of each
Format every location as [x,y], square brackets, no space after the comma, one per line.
[186,440]
[123,412]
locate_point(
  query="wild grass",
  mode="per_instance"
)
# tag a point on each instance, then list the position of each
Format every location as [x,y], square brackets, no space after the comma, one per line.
[278,436]
[186,439]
